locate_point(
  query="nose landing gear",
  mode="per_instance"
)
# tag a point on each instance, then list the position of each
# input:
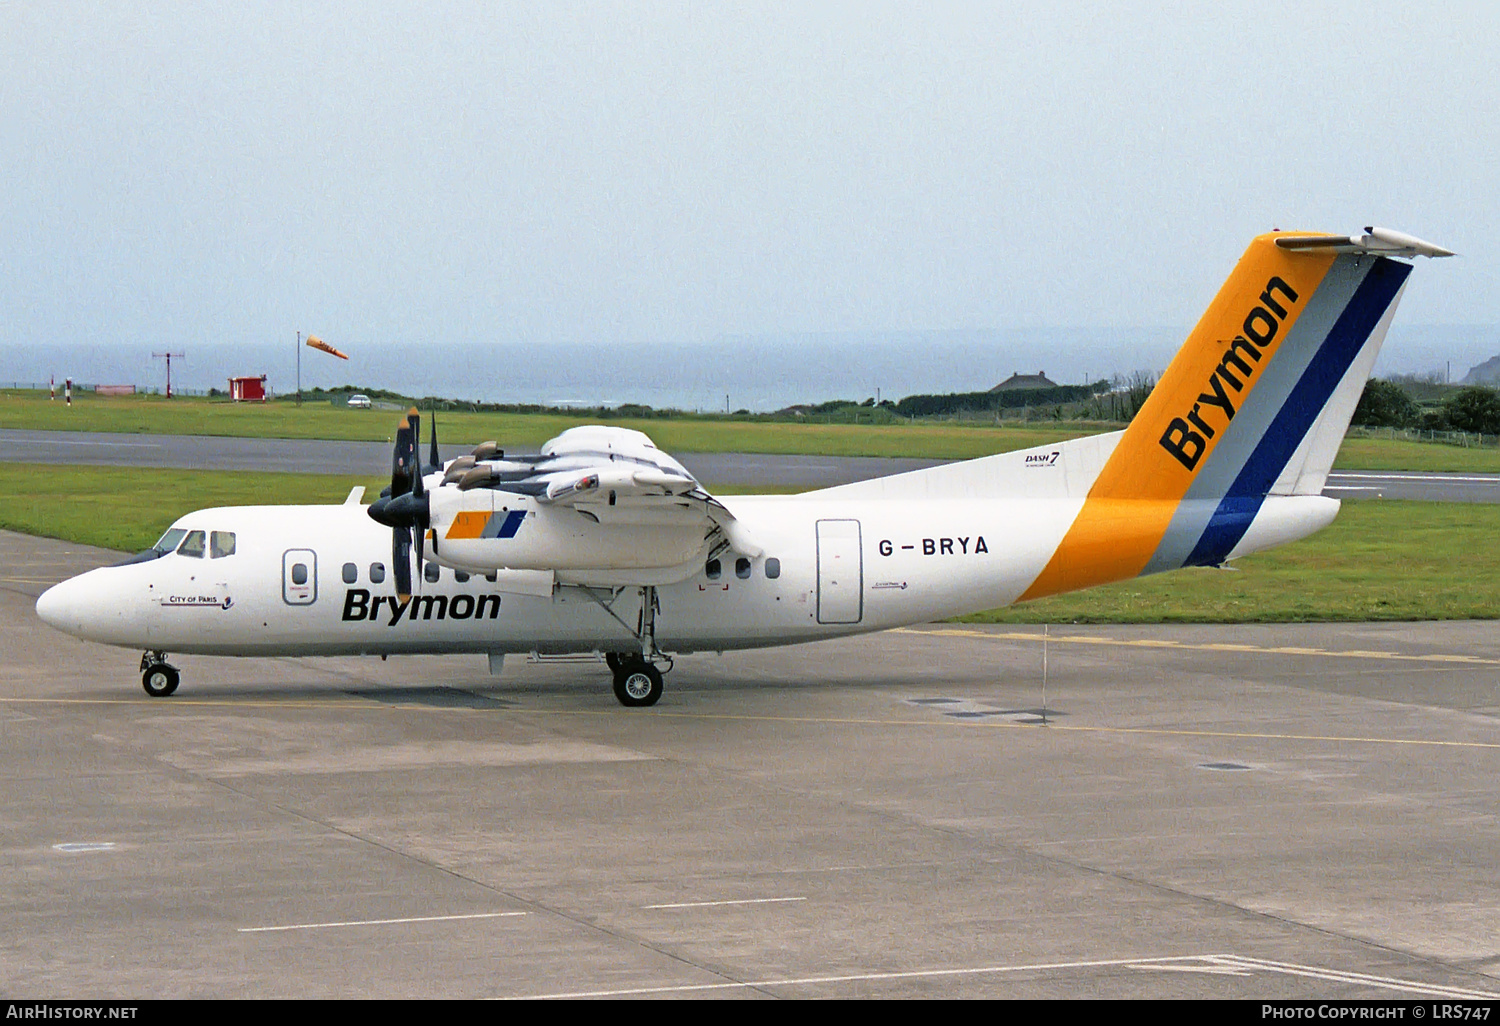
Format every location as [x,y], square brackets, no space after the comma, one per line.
[158,677]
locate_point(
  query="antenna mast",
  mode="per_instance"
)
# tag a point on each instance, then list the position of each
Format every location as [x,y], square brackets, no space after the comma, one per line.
[168,357]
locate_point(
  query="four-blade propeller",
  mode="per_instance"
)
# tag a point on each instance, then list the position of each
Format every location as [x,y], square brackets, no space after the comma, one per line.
[405,507]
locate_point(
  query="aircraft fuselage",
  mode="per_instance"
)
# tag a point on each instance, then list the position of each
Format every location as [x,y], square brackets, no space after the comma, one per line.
[827,568]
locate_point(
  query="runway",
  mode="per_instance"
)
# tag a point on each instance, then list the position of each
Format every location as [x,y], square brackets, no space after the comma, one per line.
[740,470]
[1267,812]
[203,452]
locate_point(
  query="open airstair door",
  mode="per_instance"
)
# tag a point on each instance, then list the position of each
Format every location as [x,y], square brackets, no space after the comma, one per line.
[841,572]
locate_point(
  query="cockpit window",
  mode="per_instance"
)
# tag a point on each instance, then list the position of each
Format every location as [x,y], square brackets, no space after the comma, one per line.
[169,540]
[220,543]
[193,544]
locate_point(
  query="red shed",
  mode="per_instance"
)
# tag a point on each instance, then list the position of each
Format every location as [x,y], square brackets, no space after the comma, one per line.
[248,390]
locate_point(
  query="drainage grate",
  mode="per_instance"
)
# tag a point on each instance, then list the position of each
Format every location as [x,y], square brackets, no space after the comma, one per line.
[1222,766]
[968,709]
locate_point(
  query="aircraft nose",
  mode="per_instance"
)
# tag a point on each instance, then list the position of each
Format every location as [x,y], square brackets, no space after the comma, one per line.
[95,606]
[70,606]
[55,606]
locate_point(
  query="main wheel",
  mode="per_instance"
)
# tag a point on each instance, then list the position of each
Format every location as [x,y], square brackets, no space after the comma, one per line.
[637,684]
[615,660]
[159,680]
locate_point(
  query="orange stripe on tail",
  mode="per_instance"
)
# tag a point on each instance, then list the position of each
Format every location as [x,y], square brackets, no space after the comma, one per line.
[1131,505]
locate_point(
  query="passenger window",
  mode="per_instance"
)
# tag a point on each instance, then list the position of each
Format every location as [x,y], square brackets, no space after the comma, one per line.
[773,567]
[299,573]
[430,572]
[220,544]
[351,573]
[742,568]
[712,569]
[377,573]
[192,545]
[491,577]
[460,576]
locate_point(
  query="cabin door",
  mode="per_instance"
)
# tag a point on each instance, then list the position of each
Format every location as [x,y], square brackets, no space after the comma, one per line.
[299,577]
[841,572]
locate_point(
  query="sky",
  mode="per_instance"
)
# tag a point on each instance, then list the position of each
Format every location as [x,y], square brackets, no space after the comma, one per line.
[679,172]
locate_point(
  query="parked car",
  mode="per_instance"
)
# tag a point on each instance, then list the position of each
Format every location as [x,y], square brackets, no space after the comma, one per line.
[361,402]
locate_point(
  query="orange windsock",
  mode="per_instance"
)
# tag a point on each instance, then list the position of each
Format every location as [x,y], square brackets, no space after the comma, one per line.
[318,343]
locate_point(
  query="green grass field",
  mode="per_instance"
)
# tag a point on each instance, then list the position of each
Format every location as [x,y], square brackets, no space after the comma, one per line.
[1431,457]
[127,508]
[195,416]
[931,440]
[1380,560]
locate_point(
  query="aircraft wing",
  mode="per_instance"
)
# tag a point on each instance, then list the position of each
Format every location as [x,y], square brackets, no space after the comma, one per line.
[584,465]
[595,498]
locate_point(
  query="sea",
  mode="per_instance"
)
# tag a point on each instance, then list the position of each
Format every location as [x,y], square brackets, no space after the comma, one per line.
[756,373]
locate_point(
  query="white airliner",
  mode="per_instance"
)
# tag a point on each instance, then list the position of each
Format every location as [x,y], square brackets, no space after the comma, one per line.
[601,543]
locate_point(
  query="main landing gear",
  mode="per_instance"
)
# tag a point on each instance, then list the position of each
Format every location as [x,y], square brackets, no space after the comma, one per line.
[637,682]
[638,675]
[158,677]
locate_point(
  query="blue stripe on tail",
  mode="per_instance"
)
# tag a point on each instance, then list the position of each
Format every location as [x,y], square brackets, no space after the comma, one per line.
[1242,502]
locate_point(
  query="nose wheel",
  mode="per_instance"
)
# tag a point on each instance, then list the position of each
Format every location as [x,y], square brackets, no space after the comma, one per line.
[158,677]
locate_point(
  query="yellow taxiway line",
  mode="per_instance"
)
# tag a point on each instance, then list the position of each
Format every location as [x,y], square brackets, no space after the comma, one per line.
[1089,639]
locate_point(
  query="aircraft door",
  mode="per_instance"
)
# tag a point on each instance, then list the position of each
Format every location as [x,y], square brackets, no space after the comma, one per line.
[299,577]
[841,572]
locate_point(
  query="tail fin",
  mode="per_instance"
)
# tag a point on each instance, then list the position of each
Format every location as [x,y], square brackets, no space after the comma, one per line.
[1254,405]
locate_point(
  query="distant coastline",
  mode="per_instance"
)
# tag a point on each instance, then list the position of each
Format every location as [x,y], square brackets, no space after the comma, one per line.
[760,374]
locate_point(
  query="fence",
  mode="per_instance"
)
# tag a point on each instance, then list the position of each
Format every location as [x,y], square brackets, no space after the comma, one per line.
[100,387]
[1467,439]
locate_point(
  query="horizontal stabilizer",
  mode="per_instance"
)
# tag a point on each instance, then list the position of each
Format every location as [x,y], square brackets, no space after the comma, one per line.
[1376,241]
